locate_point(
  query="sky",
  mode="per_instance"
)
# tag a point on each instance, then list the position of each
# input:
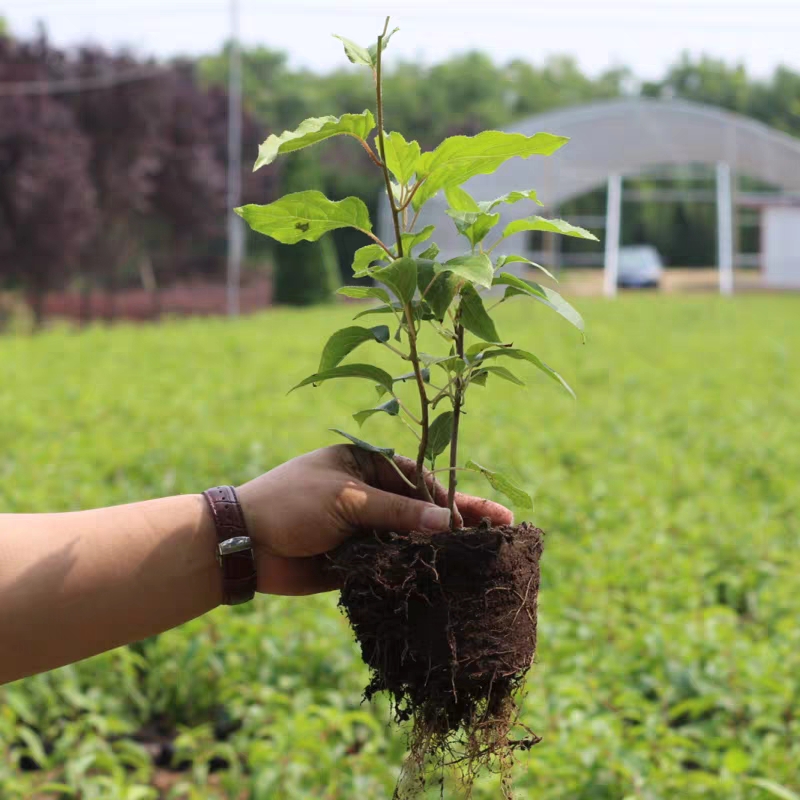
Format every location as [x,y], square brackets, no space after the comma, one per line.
[646,35]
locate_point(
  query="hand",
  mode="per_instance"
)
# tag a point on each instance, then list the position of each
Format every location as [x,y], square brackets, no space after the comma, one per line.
[304,508]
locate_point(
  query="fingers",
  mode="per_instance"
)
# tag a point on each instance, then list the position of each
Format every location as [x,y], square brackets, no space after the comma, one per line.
[474,509]
[375,508]
[377,471]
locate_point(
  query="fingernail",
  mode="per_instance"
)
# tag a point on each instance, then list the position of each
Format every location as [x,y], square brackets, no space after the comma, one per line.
[435,518]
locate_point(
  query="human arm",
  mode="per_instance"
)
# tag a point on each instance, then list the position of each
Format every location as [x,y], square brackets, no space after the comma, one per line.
[76,584]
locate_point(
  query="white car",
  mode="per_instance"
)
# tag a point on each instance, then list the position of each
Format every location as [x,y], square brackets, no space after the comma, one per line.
[640,267]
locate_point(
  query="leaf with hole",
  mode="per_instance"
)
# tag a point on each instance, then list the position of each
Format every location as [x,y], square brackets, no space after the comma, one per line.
[542,294]
[314,130]
[368,371]
[503,484]
[305,216]
[344,341]
[391,407]
[370,448]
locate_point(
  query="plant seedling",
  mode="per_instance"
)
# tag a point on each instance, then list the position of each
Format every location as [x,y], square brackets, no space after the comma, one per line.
[456,680]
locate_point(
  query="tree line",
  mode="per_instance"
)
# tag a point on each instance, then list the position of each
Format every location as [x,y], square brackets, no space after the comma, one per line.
[112,170]
[119,183]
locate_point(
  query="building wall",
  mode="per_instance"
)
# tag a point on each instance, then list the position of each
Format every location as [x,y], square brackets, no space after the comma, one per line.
[780,237]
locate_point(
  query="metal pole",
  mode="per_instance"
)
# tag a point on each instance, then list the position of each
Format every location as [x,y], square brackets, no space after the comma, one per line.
[724,228]
[613,225]
[235,225]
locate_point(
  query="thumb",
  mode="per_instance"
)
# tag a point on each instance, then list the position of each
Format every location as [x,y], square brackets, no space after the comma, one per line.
[389,511]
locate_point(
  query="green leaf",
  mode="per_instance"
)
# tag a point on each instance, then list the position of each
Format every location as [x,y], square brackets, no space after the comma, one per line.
[508,199]
[420,311]
[355,52]
[401,277]
[387,309]
[473,224]
[391,407]
[368,371]
[401,156]
[550,225]
[363,292]
[305,216]
[503,261]
[541,293]
[411,240]
[426,376]
[775,789]
[346,340]
[474,317]
[370,448]
[524,355]
[475,268]
[365,256]
[439,289]
[480,378]
[431,252]
[501,483]
[439,434]
[460,158]
[460,200]
[314,130]
[373,48]
[503,373]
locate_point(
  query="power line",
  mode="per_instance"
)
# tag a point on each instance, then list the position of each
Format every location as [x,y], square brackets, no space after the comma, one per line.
[72,85]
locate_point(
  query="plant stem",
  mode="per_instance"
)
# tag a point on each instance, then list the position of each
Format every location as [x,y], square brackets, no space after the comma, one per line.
[458,402]
[413,355]
[382,145]
[378,241]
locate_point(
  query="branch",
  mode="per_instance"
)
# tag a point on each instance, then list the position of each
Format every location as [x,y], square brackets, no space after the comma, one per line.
[372,155]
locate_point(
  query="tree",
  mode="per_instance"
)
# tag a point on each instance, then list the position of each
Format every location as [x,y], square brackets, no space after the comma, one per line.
[48,209]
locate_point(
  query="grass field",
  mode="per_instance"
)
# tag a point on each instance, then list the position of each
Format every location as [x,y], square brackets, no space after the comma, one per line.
[669,659]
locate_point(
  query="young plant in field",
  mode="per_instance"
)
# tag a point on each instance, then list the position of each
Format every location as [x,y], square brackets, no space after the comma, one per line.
[421,289]
[447,622]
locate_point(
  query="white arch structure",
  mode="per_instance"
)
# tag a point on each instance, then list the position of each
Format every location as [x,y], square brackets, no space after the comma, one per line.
[624,137]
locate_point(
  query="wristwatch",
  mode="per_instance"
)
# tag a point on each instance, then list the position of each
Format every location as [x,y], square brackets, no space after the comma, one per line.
[234,546]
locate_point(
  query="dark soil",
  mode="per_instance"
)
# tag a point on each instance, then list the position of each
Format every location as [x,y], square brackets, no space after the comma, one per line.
[447,624]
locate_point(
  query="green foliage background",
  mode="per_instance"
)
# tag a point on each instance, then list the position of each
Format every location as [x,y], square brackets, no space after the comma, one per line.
[669,644]
[470,92]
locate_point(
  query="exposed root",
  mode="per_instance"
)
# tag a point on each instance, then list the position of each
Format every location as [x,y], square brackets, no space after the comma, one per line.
[447,624]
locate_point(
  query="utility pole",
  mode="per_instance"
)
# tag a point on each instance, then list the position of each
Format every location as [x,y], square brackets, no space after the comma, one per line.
[235,226]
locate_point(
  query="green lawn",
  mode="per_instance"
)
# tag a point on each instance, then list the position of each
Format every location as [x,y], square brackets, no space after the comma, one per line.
[669,660]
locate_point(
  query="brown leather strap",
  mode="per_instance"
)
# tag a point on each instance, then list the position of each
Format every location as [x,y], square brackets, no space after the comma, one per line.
[235,551]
